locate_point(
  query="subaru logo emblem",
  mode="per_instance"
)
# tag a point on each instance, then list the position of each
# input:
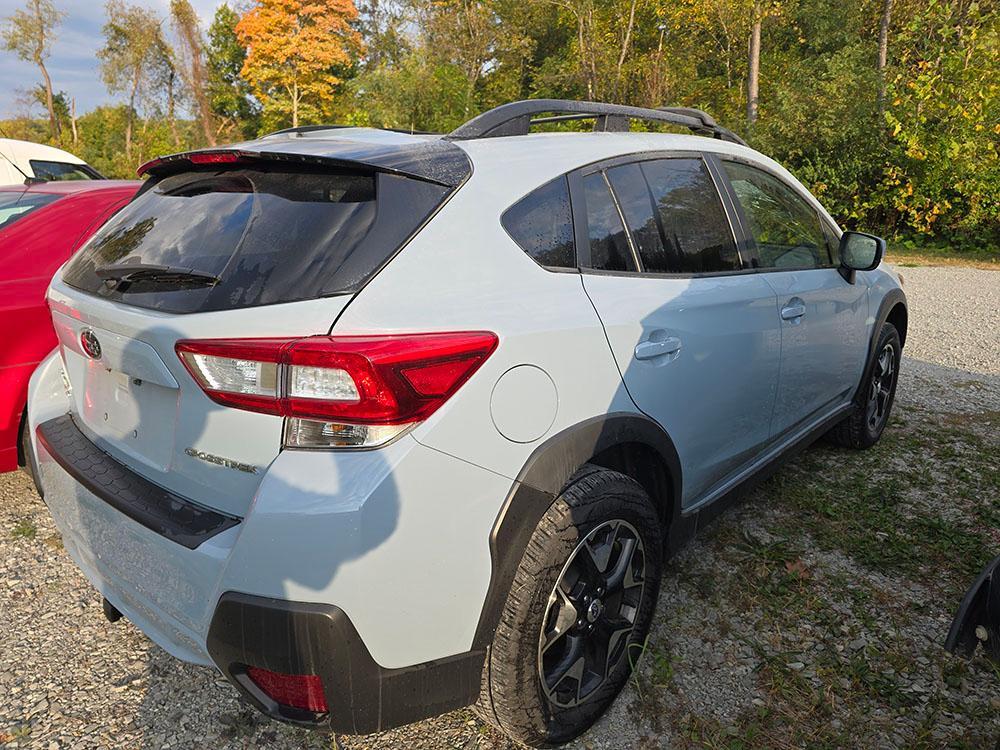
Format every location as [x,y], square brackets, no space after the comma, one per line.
[91,346]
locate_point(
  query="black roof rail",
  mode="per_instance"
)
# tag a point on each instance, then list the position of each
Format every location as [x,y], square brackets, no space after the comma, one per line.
[517,118]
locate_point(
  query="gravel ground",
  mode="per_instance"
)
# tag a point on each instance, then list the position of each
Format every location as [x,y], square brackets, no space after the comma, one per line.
[812,615]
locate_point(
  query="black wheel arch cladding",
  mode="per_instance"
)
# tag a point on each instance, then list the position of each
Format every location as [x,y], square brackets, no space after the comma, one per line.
[607,441]
[893,310]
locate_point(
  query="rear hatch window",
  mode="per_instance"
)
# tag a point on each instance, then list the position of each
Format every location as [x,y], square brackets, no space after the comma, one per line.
[248,235]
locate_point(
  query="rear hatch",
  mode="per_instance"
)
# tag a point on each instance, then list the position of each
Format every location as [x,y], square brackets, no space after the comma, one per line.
[231,247]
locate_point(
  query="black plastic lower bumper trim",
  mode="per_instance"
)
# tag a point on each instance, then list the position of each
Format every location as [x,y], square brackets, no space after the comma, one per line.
[169,515]
[319,639]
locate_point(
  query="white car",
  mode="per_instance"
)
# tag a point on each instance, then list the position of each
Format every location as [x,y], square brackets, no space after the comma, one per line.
[382,425]
[22,160]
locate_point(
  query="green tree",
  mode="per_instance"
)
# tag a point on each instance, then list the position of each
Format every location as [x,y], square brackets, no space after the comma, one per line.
[943,111]
[131,57]
[229,96]
[29,34]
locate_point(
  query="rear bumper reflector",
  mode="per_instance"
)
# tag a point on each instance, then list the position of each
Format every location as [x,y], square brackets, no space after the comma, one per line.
[176,518]
[258,641]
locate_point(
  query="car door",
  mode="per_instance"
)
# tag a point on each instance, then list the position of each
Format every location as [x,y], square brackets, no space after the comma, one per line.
[822,315]
[694,335]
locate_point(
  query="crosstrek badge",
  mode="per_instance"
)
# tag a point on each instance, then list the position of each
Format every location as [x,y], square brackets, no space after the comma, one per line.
[220,461]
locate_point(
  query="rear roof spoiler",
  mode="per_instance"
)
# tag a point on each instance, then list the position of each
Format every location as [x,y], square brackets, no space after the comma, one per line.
[517,118]
[430,160]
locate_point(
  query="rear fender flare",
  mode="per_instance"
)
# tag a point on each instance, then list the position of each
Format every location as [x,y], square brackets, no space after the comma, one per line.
[543,477]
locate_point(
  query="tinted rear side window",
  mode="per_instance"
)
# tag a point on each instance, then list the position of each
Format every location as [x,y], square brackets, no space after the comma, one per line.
[270,234]
[609,248]
[696,231]
[542,224]
[17,205]
[637,206]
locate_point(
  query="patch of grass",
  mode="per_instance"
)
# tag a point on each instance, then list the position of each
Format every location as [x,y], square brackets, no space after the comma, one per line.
[17,733]
[662,664]
[794,714]
[892,508]
[909,254]
[24,529]
[922,506]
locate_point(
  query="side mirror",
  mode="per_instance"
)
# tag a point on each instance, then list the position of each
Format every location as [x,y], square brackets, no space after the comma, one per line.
[859,252]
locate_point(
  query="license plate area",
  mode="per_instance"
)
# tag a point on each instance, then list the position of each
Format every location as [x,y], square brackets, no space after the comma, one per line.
[131,414]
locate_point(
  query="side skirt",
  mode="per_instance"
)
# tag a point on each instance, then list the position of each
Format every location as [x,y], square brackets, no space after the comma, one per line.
[688,523]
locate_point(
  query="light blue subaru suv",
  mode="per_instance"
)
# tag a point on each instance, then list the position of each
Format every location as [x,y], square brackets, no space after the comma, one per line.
[381,425]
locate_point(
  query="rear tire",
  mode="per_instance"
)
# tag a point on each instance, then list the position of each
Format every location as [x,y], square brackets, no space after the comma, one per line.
[864,425]
[576,618]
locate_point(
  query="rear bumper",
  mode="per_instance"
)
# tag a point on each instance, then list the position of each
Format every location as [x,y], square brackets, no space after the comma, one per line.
[163,512]
[163,587]
[363,697]
[368,568]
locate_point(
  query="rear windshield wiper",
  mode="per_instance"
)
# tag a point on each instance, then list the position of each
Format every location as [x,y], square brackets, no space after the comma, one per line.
[153,273]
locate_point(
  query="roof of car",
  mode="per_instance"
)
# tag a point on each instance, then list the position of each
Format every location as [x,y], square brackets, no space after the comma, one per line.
[442,157]
[29,150]
[73,187]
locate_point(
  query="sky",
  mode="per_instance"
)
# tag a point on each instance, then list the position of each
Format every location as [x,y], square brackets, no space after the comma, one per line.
[73,64]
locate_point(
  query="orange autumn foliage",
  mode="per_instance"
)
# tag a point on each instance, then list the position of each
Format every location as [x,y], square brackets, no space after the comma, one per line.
[293,50]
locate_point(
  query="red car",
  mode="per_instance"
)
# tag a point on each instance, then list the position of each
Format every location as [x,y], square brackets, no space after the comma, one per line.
[41,225]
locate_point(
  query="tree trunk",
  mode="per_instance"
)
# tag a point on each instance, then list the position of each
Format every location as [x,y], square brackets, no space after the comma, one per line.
[625,44]
[131,114]
[580,25]
[72,118]
[53,122]
[295,104]
[171,115]
[753,77]
[883,51]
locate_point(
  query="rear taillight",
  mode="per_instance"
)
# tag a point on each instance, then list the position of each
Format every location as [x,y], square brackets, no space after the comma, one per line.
[338,391]
[302,691]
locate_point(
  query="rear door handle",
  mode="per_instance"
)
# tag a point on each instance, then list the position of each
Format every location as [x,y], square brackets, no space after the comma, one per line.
[793,310]
[653,349]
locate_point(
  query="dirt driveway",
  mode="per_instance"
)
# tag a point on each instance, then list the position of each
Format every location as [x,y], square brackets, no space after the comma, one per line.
[812,615]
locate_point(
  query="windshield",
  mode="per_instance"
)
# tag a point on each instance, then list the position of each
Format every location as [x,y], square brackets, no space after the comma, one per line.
[15,206]
[270,233]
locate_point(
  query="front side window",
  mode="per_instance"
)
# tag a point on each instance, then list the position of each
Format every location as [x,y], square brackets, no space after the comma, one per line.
[785,228]
[609,248]
[696,233]
[54,171]
[16,205]
[542,224]
[832,243]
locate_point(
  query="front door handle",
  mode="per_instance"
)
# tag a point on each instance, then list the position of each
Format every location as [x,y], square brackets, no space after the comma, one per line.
[653,349]
[793,311]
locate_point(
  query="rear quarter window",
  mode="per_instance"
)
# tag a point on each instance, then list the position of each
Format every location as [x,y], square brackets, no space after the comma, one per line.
[271,234]
[542,224]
